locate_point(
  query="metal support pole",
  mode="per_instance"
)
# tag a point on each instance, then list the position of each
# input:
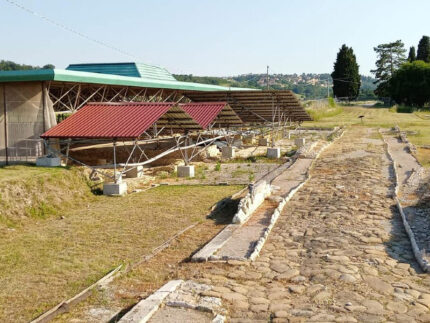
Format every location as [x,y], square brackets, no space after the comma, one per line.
[273,122]
[186,150]
[114,162]
[67,150]
[5,125]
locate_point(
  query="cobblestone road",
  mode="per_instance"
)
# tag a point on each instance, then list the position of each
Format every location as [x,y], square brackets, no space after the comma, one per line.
[337,253]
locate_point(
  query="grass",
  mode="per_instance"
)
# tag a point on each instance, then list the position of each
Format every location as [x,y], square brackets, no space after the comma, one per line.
[48,260]
[39,193]
[318,112]
[239,172]
[417,123]
[147,277]
[263,159]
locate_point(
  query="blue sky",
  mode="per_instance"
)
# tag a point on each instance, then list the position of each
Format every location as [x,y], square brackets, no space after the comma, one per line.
[203,37]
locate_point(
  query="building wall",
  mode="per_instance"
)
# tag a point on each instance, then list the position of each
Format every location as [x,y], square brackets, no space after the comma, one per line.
[2,127]
[27,112]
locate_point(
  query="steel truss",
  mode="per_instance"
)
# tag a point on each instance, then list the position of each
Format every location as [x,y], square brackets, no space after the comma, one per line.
[70,97]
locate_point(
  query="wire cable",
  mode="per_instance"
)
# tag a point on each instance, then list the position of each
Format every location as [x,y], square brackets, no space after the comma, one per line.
[66,28]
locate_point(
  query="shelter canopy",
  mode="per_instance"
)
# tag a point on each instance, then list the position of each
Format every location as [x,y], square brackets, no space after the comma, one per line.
[127,120]
[257,106]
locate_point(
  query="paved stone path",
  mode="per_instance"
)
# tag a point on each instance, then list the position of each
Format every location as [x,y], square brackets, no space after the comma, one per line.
[337,253]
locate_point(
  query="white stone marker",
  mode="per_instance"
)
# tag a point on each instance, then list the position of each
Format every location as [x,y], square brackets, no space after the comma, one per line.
[185,171]
[135,172]
[274,152]
[263,142]
[300,142]
[115,188]
[228,152]
[48,161]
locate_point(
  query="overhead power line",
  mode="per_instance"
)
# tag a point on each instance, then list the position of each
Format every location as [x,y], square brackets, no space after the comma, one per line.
[66,28]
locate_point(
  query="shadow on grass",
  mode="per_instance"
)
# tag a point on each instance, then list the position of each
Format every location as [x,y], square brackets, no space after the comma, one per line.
[224,211]
[121,313]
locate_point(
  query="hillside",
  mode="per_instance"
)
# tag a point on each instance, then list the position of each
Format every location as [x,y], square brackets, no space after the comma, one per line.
[309,86]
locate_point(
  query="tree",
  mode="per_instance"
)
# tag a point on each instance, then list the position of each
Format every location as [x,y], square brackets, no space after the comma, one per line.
[390,57]
[410,84]
[48,66]
[412,56]
[12,66]
[423,53]
[346,78]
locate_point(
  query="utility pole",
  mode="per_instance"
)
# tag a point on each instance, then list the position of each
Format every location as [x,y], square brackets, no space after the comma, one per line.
[267,77]
[328,91]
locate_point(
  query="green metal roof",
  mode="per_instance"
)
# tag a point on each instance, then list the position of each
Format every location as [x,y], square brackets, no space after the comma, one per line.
[108,79]
[125,69]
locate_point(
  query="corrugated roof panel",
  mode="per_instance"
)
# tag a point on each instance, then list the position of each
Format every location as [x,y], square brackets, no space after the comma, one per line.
[203,112]
[109,120]
[125,69]
[108,79]
[154,72]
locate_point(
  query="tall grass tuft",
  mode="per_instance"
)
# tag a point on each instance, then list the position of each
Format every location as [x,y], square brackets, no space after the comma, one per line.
[319,110]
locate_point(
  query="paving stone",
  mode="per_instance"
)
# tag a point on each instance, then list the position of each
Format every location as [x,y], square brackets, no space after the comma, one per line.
[322,297]
[259,307]
[424,299]
[397,307]
[373,307]
[296,289]
[281,314]
[347,278]
[346,319]
[378,285]
[336,253]
[231,297]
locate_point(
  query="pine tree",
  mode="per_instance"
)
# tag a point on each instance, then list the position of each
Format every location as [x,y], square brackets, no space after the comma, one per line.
[423,53]
[390,57]
[412,56]
[346,77]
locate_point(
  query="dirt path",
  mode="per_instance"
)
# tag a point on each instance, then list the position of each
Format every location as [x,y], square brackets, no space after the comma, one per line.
[337,253]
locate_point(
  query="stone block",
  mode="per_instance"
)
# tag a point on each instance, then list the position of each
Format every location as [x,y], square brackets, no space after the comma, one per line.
[185,171]
[238,143]
[228,152]
[115,188]
[134,172]
[48,161]
[300,142]
[273,152]
[263,142]
[212,151]
[248,140]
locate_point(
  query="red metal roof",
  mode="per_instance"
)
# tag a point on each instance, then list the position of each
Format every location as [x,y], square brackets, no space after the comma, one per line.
[203,112]
[109,120]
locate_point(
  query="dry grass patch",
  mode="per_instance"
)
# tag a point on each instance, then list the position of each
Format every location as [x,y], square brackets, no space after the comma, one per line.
[416,124]
[29,193]
[45,262]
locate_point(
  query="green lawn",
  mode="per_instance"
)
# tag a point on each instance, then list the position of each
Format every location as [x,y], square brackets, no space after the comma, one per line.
[45,261]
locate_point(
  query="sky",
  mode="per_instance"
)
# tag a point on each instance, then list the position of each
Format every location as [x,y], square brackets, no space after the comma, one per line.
[215,38]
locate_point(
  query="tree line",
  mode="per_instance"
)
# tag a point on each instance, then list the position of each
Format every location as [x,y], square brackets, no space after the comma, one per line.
[400,79]
[12,66]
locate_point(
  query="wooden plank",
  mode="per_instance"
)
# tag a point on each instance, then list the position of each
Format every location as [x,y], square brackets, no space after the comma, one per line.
[66,305]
